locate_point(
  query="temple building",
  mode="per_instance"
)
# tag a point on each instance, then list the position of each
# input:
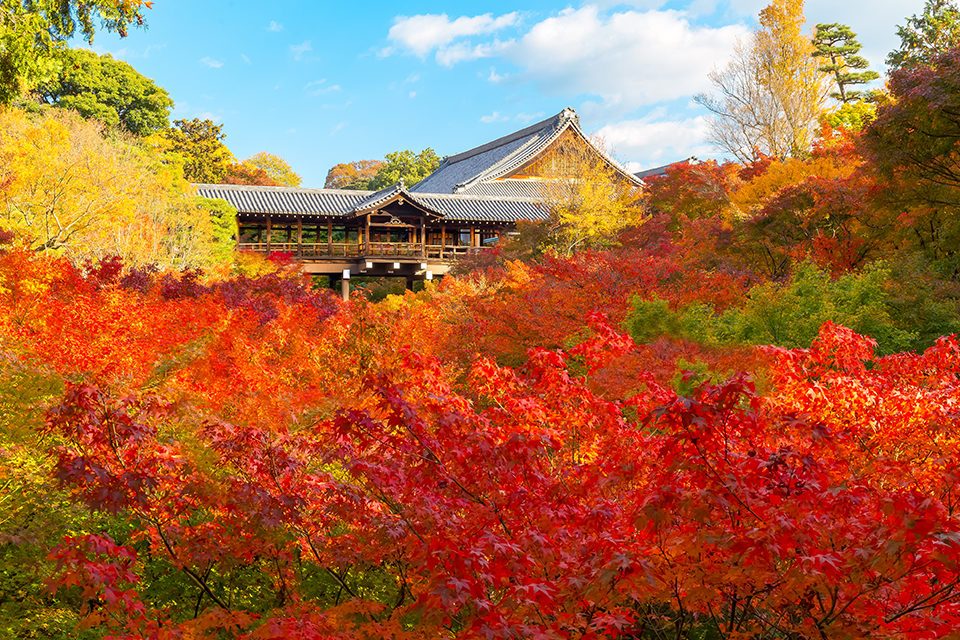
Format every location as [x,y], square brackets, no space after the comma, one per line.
[467,204]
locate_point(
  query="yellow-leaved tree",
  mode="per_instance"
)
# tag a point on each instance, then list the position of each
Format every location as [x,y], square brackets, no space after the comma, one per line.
[589,200]
[770,95]
[68,186]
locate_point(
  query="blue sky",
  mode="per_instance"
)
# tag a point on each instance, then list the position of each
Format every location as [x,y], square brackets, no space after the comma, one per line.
[324,82]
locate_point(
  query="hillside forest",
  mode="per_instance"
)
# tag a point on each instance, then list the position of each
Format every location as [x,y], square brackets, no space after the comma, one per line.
[724,408]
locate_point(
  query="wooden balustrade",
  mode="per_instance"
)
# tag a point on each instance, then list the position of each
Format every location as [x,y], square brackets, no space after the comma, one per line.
[324,250]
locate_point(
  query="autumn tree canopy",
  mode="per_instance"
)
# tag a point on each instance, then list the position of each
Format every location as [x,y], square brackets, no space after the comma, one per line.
[198,144]
[769,97]
[357,175]
[923,37]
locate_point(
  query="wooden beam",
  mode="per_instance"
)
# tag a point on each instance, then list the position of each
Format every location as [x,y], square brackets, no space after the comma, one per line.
[269,232]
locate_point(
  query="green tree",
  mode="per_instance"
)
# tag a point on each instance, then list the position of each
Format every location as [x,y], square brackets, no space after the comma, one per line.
[276,168]
[837,44]
[109,90]
[785,314]
[934,31]
[33,32]
[407,166]
[199,144]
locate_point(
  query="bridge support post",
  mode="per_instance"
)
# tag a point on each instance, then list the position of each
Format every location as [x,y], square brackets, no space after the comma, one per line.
[345,285]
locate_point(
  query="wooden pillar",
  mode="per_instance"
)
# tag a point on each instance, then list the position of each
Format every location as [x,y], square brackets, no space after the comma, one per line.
[329,237]
[423,237]
[443,238]
[269,232]
[366,233]
[345,288]
[299,235]
[473,236]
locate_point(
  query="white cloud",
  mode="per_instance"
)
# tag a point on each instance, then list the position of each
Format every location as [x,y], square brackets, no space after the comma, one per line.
[300,50]
[495,77]
[523,118]
[496,116]
[423,34]
[246,59]
[627,58]
[274,27]
[649,142]
[529,117]
[320,87]
[213,63]
[462,51]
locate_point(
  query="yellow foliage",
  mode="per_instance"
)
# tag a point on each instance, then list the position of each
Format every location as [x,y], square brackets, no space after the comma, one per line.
[590,202]
[752,195]
[69,188]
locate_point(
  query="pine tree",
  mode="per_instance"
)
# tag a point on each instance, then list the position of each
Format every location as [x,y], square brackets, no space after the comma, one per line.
[837,44]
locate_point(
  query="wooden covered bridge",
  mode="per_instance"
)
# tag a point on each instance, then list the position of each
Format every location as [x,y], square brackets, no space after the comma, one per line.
[466,205]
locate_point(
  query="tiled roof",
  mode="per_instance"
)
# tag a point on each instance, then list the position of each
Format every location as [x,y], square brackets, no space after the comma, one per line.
[247,199]
[663,170]
[478,168]
[508,188]
[468,208]
[338,203]
[379,197]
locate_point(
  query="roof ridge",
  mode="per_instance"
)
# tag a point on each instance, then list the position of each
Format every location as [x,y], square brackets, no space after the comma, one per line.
[496,169]
[510,137]
[258,187]
[471,196]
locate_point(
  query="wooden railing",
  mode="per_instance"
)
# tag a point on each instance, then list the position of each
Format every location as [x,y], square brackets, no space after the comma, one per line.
[322,250]
[393,249]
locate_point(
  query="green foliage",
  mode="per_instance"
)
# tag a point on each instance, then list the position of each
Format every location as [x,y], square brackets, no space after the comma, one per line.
[407,166]
[25,59]
[33,32]
[109,90]
[199,144]
[787,315]
[924,36]
[837,44]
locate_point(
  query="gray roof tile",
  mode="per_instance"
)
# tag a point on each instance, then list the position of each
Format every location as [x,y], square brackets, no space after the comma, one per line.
[343,203]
